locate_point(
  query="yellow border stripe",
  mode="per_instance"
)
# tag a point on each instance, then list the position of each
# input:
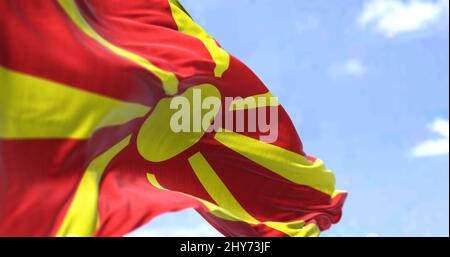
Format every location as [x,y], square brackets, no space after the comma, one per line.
[188,26]
[32,107]
[82,217]
[287,164]
[168,79]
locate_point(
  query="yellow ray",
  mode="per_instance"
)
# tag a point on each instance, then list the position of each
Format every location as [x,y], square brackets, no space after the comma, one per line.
[81,218]
[32,107]
[217,189]
[168,79]
[287,164]
[214,209]
[188,26]
[252,102]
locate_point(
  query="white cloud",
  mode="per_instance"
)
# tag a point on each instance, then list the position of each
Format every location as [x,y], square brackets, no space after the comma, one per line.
[392,17]
[435,147]
[351,67]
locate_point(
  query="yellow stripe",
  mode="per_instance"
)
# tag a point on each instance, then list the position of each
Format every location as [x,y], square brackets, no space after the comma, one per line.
[82,217]
[287,164]
[188,26]
[32,107]
[293,229]
[256,101]
[168,79]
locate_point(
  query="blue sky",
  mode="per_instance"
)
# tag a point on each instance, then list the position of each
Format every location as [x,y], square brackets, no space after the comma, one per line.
[366,84]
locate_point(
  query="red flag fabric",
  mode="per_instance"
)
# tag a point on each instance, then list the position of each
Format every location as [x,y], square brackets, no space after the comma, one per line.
[87,146]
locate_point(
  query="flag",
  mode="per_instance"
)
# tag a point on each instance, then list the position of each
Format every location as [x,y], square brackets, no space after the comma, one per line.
[99,133]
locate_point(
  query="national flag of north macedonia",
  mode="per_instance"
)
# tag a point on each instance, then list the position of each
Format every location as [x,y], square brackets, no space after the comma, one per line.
[85,143]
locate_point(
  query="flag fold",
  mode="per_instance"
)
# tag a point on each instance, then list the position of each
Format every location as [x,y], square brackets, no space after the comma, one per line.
[88,142]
